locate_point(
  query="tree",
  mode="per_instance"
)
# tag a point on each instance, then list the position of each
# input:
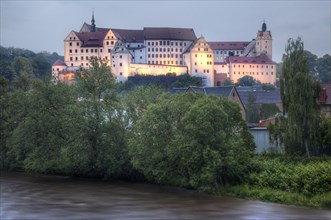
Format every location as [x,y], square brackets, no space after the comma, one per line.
[268,87]
[246,81]
[100,148]
[324,68]
[193,141]
[228,82]
[299,93]
[268,110]
[253,110]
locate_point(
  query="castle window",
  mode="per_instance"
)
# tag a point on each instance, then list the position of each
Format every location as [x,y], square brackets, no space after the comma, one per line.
[234,72]
[152,49]
[74,38]
[152,61]
[172,49]
[70,38]
[156,43]
[82,58]
[82,50]
[96,50]
[70,44]
[156,49]
[86,64]
[184,44]
[196,70]
[82,64]
[168,61]
[107,42]
[152,55]
[120,64]
[176,62]
[120,56]
[76,51]
[160,42]
[72,64]
[107,37]
[77,43]
[86,50]
[156,55]
[112,42]
[181,62]
[86,57]
[70,51]
[207,71]
[113,65]
[172,62]
[91,50]
[196,55]
[172,43]
[266,66]
[272,67]
[272,73]
[257,66]
[149,43]
[149,62]
[141,57]
[121,73]
[70,58]
[234,65]
[76,58]
[149,56]
[152,43]
[156,62]
[109,50]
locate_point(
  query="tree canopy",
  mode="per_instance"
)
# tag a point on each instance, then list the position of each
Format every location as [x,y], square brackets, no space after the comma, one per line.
[299,93]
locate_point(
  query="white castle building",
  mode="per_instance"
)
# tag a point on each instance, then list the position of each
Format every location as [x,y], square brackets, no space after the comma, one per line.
[158,51]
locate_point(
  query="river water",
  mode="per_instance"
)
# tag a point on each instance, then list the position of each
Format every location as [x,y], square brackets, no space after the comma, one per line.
[36,197]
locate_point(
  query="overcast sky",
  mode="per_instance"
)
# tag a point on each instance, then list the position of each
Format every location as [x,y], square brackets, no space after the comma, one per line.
[43,25]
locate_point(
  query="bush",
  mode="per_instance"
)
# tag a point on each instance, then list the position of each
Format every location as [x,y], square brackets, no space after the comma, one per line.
[192,141]
[309,178]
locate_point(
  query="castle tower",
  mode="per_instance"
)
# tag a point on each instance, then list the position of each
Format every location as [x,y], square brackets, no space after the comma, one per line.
[263,42]
[93,23]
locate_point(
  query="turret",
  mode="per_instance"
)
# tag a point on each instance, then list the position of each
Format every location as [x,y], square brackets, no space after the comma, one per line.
[93,29]
[263,43]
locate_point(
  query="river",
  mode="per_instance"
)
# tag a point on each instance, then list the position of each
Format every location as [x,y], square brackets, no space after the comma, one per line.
[44,197]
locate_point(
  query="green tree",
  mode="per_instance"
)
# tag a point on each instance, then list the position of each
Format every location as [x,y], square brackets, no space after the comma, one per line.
[268,87]
[193,141]
[246,81]
[100,148]
[253,110]
[137,101]
[324,68]
[299,93]
[268,110]
[228,82]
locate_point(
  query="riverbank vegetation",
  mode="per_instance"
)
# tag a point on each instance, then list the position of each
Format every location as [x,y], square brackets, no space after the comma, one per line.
[90,129]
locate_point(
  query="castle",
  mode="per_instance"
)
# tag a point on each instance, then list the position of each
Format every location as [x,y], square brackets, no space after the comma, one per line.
[162,50]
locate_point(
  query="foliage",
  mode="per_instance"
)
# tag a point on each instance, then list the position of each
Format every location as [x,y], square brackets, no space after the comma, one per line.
[307,177]
[15,62]
[273,195]
[246,81]
[192,141]
[137,101]
[268,110]
[268,87]
[252,110]
[299,93]
[186,80]
[325,132]
[324,68]
[228,82]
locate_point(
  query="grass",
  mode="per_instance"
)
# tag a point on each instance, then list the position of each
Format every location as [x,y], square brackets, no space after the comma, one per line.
[278,196]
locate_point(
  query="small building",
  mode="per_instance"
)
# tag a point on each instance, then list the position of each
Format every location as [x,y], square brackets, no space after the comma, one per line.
[228,92]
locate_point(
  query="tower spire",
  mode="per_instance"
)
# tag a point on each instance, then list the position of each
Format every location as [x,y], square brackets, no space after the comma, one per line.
[264,26]
[93,22]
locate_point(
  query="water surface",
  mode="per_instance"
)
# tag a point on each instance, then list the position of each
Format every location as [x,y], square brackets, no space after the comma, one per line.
[36,197]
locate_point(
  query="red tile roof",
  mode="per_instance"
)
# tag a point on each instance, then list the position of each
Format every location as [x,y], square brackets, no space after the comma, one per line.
[327,94]
[239,45]
[59,63]
[262,59]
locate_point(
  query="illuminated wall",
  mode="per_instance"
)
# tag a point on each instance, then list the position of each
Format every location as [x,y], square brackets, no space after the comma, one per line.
[150,69]
[265,73]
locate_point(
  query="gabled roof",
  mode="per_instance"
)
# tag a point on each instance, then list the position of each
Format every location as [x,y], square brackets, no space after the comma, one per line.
[91,39]
[167,33]
[220,91]
[326,87]
[262,59]
[261,97]
[59,63]
[233,45]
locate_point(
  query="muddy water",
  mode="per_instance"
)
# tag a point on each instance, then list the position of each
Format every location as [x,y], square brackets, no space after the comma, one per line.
[47,197]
